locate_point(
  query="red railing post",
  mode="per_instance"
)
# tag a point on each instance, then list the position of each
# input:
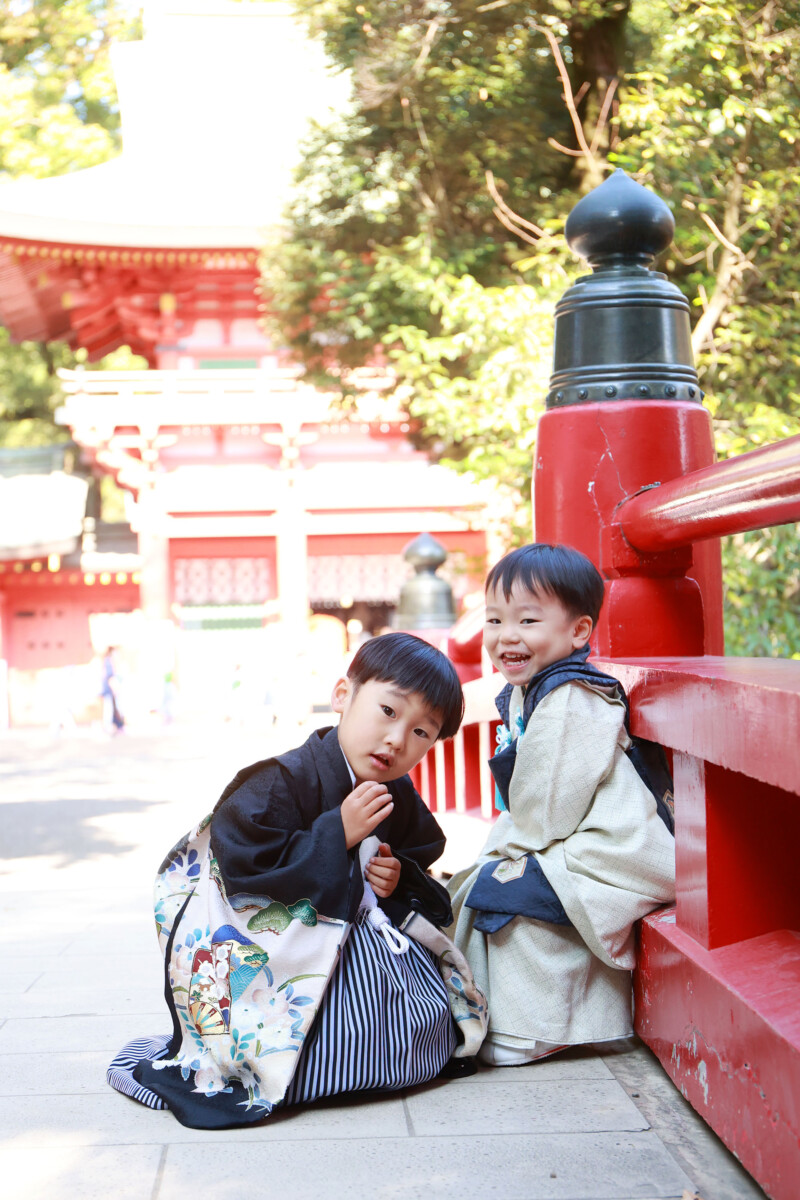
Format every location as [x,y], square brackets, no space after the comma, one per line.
[624,413]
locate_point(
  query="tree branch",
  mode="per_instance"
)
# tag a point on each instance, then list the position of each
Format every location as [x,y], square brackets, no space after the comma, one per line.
[720,236]
[569,98]
[564,149]
[492,189]
[605,108]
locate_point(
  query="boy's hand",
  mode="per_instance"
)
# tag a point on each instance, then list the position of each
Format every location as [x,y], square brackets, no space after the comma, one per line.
[363,810]
[383,871]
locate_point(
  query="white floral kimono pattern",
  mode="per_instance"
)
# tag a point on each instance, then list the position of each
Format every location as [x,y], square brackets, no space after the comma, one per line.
[246,978]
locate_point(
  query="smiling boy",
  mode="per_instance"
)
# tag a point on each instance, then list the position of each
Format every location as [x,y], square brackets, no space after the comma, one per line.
[283,980]
[527,631]
[545,917]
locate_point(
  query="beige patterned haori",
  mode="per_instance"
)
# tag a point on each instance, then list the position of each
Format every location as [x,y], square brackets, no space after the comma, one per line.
[577,804]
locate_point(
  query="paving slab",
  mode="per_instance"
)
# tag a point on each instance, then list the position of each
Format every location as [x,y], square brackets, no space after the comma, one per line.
[89,1032]
[525,1108]
[580,1063]
[122,968]
[557,1167]
[108,1119]
[129,996]
[137,936]
[716,1174]
[29,951]
[120,1173]
[67,1073]
[17,978]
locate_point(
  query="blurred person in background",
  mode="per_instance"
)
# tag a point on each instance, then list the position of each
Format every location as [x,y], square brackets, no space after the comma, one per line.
[113,720]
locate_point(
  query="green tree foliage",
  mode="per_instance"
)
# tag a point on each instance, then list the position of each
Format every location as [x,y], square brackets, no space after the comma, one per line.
[59,114]
[444,91]
[29,391]
[399,236]
[737,253]
[56,88]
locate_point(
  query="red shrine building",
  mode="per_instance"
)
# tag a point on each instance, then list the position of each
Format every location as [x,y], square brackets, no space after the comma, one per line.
[252,501]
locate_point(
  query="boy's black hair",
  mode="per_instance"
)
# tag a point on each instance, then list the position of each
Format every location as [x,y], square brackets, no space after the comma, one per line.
[413,666]
[557,571]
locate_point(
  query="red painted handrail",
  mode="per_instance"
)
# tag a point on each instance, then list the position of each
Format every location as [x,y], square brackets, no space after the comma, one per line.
[752,491]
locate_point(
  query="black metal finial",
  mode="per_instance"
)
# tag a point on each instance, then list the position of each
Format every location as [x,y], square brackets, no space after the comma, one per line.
[620,222]
[623,332]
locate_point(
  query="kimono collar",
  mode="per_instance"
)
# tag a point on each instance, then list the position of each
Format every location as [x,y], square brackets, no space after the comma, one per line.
[332,766]
[320,757]
[565,670]
[350,769]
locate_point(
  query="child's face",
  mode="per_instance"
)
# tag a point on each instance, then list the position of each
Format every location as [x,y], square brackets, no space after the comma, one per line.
[383,731]
[529,631]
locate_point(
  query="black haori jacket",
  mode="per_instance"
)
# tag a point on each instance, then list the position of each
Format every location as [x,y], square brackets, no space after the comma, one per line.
[277,831]
[253,908]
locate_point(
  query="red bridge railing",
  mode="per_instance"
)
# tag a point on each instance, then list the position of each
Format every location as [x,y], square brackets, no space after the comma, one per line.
[717,987]
[752,491]
[625,472]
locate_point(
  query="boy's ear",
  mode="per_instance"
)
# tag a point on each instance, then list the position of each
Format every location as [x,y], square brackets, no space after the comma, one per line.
[582,631]
[341,690]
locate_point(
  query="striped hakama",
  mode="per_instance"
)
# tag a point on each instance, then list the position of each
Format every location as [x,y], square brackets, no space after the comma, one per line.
[384,1023]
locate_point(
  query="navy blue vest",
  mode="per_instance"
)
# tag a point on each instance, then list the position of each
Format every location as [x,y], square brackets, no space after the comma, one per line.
[647,757]
[531,894]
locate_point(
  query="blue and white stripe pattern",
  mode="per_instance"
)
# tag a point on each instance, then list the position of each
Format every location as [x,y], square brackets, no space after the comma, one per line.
[120,1069]
[384,1022]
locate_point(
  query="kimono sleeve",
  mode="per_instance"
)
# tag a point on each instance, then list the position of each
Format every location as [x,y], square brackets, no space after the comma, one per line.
[269,841]
[415,832]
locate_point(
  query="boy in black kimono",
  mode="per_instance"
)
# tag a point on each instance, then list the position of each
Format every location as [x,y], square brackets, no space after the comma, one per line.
[281,916]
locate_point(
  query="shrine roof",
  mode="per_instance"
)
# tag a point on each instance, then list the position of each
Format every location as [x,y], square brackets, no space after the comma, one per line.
[116,205]
[41,514]
[213,103]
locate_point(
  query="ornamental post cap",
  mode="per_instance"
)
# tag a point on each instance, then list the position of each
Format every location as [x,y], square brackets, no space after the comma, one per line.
[426,601]
[622,332]
[619,223]
[424,553]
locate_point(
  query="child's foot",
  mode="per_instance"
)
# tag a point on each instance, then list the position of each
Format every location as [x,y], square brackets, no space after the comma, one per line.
[495,1055]
[458,1068]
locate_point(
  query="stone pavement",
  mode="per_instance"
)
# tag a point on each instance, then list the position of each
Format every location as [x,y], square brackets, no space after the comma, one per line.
[84,822]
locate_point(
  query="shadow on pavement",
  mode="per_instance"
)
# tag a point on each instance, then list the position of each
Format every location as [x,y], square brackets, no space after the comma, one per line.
[64,827]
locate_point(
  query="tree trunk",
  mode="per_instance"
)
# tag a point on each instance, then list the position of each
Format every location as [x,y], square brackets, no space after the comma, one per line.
[598,49]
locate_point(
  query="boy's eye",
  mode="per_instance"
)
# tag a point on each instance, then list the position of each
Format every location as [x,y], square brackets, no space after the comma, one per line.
[492,620]
[423,733]
[389,712]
